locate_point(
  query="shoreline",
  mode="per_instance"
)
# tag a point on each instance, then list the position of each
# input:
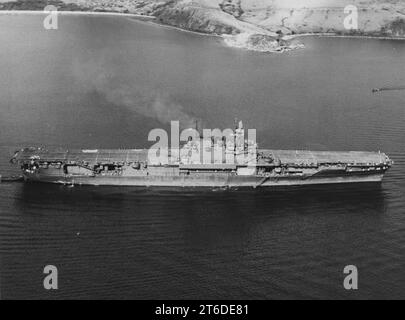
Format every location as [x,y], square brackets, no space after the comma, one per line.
[335,35]
[224,37]
[140,17]
[66,12]
[168,26]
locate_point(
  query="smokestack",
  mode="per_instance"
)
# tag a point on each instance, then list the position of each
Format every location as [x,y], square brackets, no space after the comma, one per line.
[196,128]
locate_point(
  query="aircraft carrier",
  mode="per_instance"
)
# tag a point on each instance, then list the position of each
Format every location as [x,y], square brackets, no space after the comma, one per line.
[232,163]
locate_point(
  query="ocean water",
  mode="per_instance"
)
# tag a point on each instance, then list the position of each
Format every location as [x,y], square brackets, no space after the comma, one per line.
[107,81]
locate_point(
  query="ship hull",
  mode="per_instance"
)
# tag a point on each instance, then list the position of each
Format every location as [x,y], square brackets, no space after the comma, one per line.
[208,181]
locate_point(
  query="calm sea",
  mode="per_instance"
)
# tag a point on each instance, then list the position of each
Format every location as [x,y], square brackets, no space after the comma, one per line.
[106,81]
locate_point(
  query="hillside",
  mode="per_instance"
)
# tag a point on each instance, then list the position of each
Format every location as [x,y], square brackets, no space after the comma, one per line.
[249,17]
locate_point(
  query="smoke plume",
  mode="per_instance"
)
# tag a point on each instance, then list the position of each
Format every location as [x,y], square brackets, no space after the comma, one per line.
[118,87]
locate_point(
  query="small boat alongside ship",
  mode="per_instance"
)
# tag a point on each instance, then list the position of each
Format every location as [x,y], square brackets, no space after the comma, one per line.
[186,168]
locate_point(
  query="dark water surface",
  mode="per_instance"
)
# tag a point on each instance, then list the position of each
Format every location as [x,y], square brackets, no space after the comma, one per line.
[105,82]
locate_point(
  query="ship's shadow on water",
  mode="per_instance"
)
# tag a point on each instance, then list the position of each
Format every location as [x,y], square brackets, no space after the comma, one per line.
[115,242]
[202,216]
[225,201]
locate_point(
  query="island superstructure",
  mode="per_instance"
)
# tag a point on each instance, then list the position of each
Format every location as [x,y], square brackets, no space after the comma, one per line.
[185,167]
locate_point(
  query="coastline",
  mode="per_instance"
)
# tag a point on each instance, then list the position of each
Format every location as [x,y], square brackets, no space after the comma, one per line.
[224,37]
[139,17]
[168,26]
[335,35]
[237,41]
[63,12]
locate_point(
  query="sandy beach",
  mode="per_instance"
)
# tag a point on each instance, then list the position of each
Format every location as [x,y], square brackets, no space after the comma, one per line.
[87,13]
[257,25]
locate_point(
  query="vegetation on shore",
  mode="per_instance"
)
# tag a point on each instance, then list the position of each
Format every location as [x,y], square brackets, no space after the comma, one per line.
[38,5]
[253,21]
[376,18]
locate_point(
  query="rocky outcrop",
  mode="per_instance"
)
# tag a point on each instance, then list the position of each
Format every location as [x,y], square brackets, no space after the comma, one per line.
[192,16]
[252,22]
[377,18]
[395,28]
[232,7]
[261,43]
[197,19]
